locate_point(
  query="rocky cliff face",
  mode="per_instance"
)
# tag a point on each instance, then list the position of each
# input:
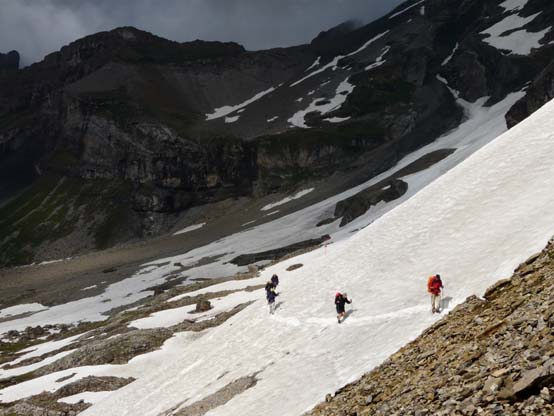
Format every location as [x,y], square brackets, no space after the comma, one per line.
[183,124]
[490,356]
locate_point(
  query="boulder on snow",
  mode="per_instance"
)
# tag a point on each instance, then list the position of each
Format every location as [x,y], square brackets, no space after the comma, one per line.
[203,305]
[294,267]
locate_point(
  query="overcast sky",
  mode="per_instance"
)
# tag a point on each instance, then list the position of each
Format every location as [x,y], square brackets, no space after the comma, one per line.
[38,27]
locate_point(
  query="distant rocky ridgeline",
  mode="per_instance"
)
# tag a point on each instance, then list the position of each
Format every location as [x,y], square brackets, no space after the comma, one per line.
[9,61]
[171,125]
[490,356]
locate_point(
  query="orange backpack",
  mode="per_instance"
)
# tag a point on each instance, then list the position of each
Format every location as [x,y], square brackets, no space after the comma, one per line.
[430,282]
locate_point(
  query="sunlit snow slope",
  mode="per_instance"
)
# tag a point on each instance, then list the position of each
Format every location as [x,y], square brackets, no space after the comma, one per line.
[473,225]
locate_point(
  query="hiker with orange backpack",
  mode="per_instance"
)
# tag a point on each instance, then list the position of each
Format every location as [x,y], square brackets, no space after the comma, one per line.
[434,286]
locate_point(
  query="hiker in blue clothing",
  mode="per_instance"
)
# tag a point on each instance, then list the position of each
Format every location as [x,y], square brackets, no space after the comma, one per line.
[270,295]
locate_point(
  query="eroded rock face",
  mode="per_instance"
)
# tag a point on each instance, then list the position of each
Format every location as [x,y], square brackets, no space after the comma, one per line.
[357,205]
[488,356]
[278,253]
[539,93]
[127,106]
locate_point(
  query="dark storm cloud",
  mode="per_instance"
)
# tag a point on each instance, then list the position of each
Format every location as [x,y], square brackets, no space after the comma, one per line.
[38,27]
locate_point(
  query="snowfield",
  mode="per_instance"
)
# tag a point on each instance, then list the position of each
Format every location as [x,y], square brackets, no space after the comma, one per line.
[472,217]
[190,228]
[483,124]
[228,109]
[473,225]
[323,106]
[283,201]
[519,42]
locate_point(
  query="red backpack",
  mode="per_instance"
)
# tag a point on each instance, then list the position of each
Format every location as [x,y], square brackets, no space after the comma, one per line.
[433,285]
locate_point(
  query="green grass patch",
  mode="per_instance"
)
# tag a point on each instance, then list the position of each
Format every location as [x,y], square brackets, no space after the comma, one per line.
[52,208]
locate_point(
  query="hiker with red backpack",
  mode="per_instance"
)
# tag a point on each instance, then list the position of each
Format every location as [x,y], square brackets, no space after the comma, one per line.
[340,301]
[434,286]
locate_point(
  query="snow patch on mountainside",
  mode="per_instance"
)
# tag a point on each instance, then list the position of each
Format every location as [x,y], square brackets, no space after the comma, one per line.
[21,309]
[315,64]
[41,349]
[231,119]
[449,57]
[406,9]
[323,106]
[337,119]
[228,109]
[379,60]
[519,42]
[190,228]
[333,65]
[87,396]
[482,125]
[452,226]
[283,201]
[17,371]
[513,5]
[170,317]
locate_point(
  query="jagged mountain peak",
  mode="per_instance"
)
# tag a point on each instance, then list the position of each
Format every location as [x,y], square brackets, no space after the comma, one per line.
[159,108]
[129,44]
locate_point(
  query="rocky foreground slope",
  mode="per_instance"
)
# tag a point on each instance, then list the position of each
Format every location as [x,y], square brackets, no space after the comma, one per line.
[490,356]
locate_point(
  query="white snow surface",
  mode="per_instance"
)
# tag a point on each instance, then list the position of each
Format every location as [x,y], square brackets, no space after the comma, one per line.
[41,349]
[519,42]
[473,225]
[333,65]
[231,119]
[170,317]
[513,5]
[228,109]
[12,372]
[449,57]
[337,119]
[230,285]
[342,92]
[392,16]
[379,61]
[316,63]
[21,309]
[483,125]
[190,228]
[87,396]
[283,201]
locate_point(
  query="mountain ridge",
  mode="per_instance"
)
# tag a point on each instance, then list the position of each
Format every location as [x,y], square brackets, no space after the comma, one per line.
[177,125]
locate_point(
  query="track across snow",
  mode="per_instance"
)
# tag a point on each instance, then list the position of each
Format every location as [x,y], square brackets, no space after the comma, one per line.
[473,225]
